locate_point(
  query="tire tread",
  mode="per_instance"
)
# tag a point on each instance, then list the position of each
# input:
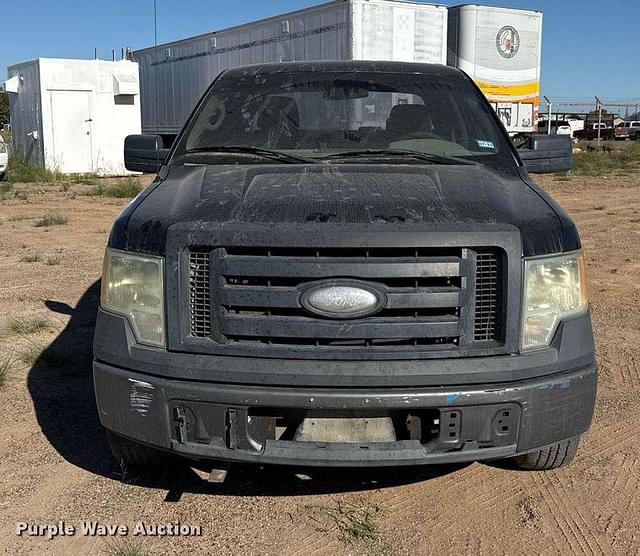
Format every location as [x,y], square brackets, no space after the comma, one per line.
[552,457]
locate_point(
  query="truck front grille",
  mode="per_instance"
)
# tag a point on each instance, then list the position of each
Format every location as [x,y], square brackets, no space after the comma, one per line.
[439,298]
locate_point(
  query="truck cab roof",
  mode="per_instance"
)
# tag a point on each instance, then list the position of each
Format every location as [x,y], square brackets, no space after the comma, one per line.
[339,66]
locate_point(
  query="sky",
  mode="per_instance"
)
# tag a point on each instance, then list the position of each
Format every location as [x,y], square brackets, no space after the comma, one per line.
[589,47]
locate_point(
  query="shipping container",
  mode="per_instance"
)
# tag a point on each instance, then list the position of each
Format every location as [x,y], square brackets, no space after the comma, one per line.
[73,115]
[174,76]
[500,49]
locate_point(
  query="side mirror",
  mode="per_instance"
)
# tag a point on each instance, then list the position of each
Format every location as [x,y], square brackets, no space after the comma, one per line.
[144,153]
[546,154]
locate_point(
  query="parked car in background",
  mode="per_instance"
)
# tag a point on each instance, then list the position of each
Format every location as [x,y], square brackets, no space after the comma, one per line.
[591,132]
[623,130]
[345,264]
[558,127]
[4,159]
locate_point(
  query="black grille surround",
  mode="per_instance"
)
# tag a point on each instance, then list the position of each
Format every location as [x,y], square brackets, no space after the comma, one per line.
[438,299]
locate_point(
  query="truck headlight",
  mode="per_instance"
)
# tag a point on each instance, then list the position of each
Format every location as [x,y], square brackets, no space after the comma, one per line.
[132,286]
[554,287]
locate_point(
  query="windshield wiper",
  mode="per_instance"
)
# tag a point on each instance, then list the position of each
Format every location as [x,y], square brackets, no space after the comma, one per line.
[249,149]
[369,153]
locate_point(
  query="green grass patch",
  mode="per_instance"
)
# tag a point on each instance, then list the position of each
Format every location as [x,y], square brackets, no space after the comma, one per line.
[31,258]
[124,189]
[83,179]
[30,354]
[28,325]
[600,163]
[47,356]
[126,547]
[5,364]
[51,219]
[53,260]
[355,519]
[7,192]
[26,172]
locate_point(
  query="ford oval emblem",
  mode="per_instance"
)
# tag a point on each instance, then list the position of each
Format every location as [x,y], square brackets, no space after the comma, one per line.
[346,299]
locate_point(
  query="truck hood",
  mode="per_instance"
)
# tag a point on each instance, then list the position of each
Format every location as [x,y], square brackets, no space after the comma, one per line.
[380,195]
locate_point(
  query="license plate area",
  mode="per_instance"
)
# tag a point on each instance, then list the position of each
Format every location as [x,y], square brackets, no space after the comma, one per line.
[446,429]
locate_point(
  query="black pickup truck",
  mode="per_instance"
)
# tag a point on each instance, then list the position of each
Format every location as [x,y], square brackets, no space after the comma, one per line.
[344,264]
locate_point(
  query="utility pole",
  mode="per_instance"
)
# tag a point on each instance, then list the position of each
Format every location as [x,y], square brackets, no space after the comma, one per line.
[549,114]
[155,22]
[599,108]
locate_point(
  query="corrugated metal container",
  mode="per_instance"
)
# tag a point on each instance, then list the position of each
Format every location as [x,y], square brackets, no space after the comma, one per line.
[500,49]
[174,76]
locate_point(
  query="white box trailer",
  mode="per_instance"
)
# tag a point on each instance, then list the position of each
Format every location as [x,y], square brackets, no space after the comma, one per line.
[500,49]
[73,115]
[174,76]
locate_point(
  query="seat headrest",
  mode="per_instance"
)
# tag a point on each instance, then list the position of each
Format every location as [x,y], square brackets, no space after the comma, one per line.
[409,118]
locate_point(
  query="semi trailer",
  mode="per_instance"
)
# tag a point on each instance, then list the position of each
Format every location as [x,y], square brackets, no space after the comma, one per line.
[499,48]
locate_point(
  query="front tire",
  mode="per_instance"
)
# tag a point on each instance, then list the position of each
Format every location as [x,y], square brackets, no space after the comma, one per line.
[134,454]
[552,457]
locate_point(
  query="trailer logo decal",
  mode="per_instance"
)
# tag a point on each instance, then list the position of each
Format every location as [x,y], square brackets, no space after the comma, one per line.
[508,41]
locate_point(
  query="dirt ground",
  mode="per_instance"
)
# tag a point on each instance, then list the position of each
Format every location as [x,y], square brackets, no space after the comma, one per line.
[55,465]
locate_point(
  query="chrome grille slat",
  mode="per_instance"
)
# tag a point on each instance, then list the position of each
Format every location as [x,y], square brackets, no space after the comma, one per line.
[486,309]
[199,294]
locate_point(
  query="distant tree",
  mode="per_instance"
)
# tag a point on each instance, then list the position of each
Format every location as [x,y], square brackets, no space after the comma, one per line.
[4,108]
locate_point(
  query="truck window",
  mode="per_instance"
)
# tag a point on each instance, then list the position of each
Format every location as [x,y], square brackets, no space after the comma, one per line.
[317,116]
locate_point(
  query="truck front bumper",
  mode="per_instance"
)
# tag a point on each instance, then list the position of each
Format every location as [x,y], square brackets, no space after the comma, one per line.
[226,422]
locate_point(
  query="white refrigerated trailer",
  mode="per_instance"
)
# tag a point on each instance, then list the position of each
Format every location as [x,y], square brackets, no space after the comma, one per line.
[174,76]
[498,47]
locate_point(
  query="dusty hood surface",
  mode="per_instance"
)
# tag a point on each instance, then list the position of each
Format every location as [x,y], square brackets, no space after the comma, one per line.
[371,195]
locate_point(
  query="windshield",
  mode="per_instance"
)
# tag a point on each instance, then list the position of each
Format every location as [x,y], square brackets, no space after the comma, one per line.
[301,117]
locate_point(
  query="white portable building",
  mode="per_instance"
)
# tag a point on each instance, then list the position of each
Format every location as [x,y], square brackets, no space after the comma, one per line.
[499,48]
[175,75]
[73,115]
